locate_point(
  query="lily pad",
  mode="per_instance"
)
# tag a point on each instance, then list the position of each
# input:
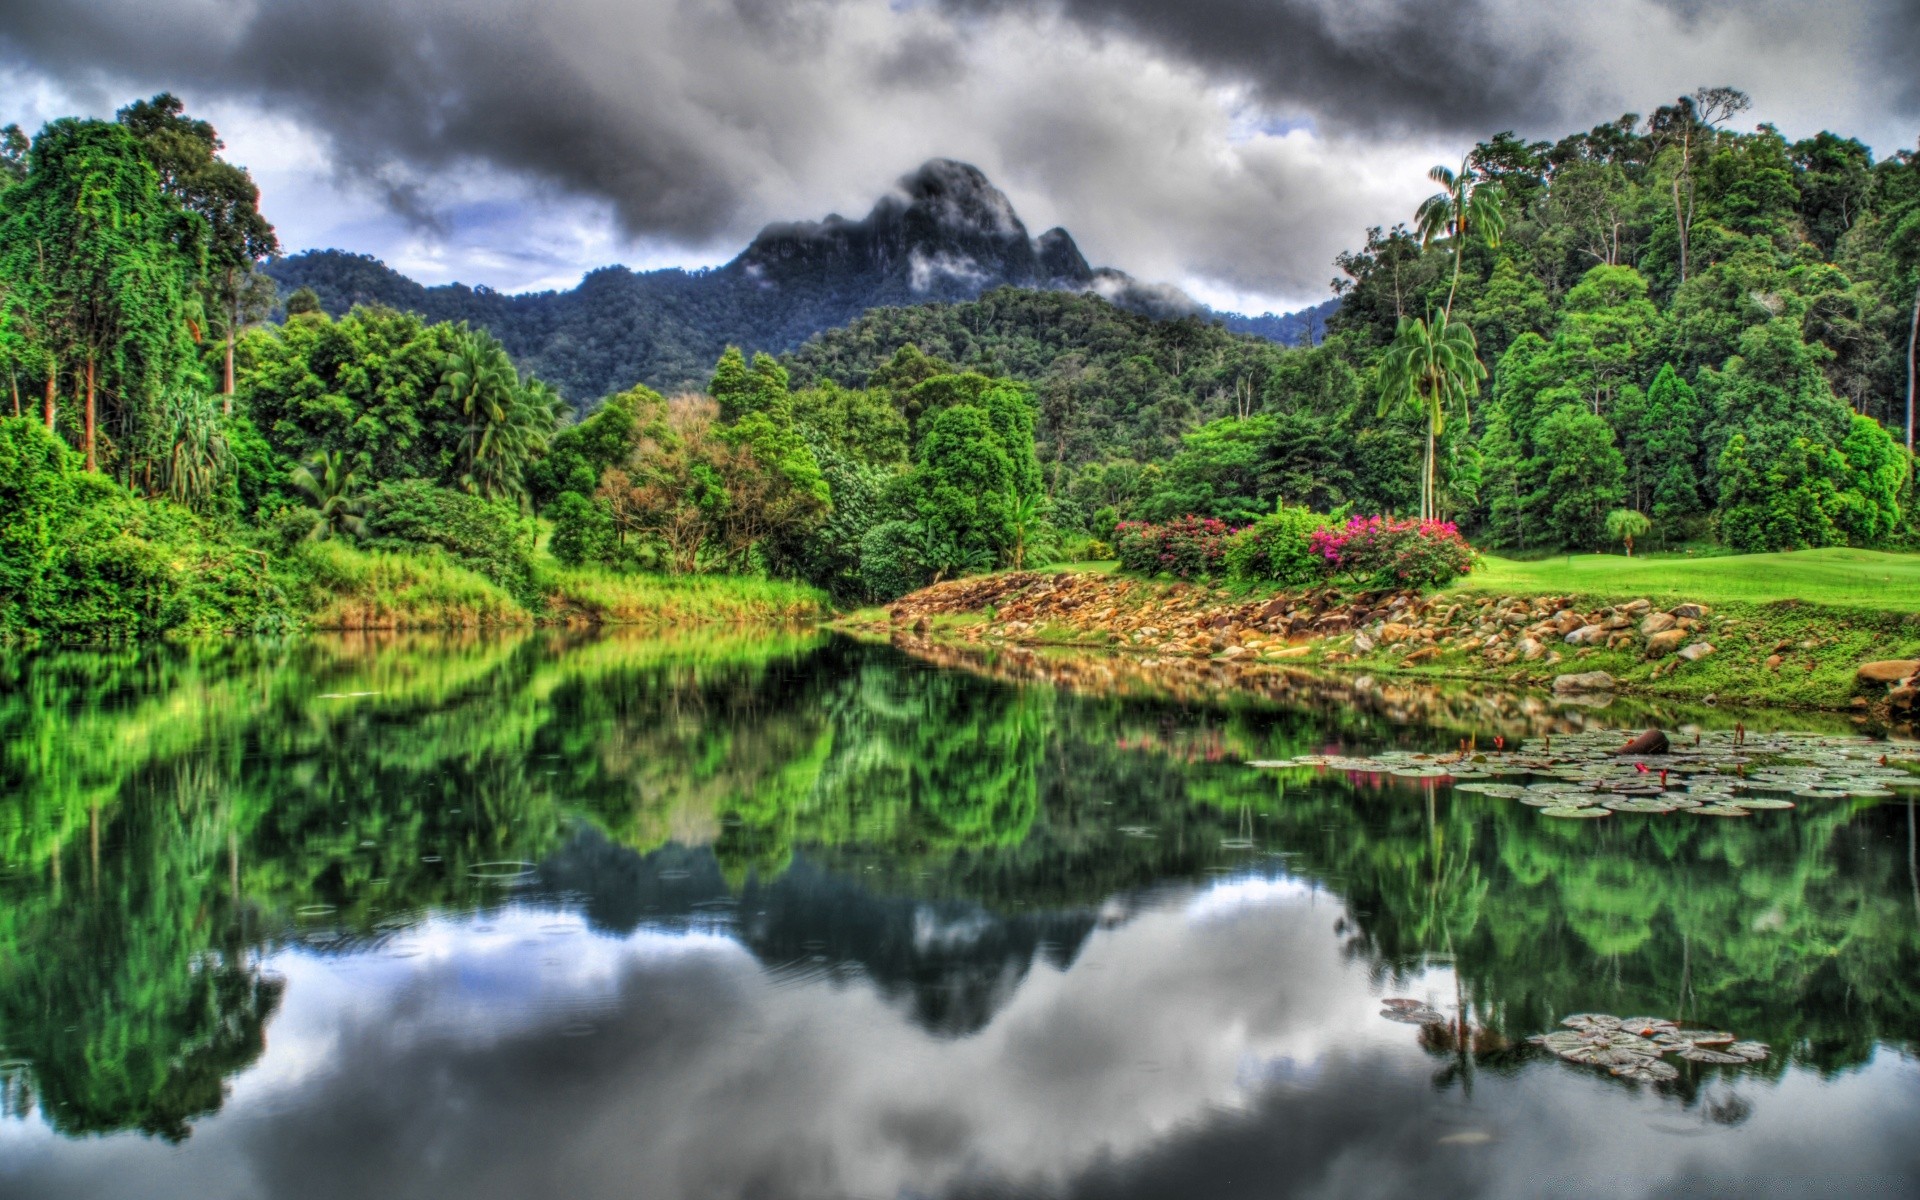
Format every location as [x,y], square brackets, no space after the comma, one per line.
[1573,813]
[1759,802]
[1591,1021]
[1402,1004]
[1704,1054]
[1750,1051]
[1718,810]
[1647,1070]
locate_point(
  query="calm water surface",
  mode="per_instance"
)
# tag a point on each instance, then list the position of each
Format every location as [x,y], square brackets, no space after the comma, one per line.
[783,916]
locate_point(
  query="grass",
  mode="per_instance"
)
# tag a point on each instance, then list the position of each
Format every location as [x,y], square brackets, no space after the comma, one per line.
[341,587]
[1837,578]
[592,596]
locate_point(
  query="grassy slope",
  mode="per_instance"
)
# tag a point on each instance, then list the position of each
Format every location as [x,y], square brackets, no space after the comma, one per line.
[1858,579]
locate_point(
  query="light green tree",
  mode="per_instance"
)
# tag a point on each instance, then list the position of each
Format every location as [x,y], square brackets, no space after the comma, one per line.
[1624,525]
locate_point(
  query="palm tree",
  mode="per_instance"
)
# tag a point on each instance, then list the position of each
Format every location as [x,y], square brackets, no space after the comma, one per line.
[1468,208]
[330,484]
[1434,366]
[478,380]
[194,455]
[1023,518]
[1624,525]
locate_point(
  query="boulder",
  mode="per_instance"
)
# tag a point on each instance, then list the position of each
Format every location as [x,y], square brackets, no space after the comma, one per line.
[1653,741]
[1696,611]
[1528,649]
[1887,670]
[1662,644]
[1362,644]
[1773,662]
[1420,656]
[1637,607]
[1585,681]
[1656,623]
[1393,631]
[1903,699]
[1697,651]
[1587,635]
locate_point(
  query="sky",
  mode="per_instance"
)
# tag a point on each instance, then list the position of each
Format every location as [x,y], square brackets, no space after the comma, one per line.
[1231,147]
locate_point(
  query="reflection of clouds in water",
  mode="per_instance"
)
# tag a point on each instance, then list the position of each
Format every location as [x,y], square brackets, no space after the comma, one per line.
[1217,1043]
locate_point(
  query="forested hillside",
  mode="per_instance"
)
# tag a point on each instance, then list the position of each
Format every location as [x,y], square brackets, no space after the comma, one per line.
[1662,327]
[947,235]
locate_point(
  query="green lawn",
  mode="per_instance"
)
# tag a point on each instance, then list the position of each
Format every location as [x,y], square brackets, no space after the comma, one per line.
[1847,578]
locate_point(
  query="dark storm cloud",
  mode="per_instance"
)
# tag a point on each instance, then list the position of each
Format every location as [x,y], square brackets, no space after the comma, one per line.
[1406,65]
[402,91]
[1156,131]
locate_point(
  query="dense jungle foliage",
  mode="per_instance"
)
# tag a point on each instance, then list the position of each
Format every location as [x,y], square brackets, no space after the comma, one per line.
[1660,330]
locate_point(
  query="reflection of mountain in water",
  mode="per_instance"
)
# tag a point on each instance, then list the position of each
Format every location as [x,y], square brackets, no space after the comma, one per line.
[953,961]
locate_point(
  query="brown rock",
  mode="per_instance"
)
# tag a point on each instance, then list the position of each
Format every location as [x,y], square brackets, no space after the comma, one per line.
[1888,670]
[1773,662]
[1587,681]
[1696,611]
[1656,623]
[1393,631]
[1420,656]
[1903,699]
[1662,644]
[1653,741]
[1697,651]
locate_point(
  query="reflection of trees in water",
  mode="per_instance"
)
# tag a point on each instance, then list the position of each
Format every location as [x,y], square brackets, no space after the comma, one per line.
[943,830]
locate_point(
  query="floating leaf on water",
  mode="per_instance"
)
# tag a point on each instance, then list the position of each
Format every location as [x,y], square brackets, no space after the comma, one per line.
[1646,1026]
[1767,802]
[1413,1016]
[1591,1021]
[1271,763]
[1750,1051]
[1718,810]
[1705,1037]
[1702,1054]
[1648,1070]
[1403,1004]
[1570,812]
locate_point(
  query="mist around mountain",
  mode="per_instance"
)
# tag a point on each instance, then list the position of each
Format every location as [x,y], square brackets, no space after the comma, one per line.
[946,235]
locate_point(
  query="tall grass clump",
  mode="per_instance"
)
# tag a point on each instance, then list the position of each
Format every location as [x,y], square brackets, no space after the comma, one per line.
[590,595]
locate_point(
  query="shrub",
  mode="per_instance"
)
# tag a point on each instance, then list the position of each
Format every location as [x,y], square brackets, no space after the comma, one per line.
[489,537]
[1278,548]
[1186,548]
[582,530]
[1393,552]
[891,563]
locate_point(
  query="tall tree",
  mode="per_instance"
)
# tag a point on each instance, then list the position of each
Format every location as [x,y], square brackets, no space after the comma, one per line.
[1468,208]
[185,151]
[104,264]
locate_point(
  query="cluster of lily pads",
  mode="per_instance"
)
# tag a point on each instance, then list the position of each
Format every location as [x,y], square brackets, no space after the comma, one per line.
[1582,776]
[1638,1047]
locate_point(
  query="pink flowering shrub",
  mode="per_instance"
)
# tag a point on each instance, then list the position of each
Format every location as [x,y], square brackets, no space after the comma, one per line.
[1394,552]
[1186,548]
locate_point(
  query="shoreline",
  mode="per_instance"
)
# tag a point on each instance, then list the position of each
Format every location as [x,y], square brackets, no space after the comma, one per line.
[1784,654]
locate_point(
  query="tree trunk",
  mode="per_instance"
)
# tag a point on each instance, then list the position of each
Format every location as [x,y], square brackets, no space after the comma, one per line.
[1426,495]
[226,405]
[92,465]
[52,383]
[1913,344]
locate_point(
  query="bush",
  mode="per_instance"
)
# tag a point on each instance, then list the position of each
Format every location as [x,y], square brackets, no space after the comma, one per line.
[891,564]
[488,537]
[1186,548]
[582,530]
[1393,552]
[1278,548]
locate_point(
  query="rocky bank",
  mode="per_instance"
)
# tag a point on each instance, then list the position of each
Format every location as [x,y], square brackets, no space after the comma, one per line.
[1789,653]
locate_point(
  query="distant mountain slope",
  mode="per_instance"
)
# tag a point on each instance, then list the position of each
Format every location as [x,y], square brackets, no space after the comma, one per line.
[1110,382]
[947,235]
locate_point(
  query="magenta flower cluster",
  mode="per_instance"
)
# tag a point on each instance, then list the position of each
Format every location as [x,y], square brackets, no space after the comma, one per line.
[1186,548]
[1394,552]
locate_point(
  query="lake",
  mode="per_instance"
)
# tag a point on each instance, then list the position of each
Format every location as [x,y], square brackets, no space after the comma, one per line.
[785,915]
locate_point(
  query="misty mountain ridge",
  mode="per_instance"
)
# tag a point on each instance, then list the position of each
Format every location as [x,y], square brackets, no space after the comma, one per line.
[945,235]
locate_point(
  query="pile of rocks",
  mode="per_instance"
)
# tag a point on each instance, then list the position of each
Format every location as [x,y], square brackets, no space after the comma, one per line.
[1894,680]
[1180,620]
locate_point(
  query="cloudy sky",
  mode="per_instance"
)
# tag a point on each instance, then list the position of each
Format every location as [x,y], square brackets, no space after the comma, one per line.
[1230,146]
